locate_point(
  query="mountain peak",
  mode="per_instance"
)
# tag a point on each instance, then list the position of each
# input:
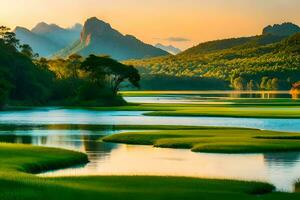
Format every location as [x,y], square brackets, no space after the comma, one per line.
[169,48]
[20,29]
[43,27]
[98,37]
[94,27]
[284,29]
[94,21]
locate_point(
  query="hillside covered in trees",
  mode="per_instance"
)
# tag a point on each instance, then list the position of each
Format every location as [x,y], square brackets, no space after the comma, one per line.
[26,79]
[270,61]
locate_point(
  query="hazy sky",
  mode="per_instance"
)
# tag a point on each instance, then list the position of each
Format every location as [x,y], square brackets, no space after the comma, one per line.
[179,22]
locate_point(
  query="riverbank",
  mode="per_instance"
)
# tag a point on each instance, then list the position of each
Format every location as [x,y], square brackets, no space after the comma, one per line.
[16,182]
[241,110]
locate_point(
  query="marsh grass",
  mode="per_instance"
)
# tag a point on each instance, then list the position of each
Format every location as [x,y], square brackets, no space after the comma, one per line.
[213,140]
[18,162]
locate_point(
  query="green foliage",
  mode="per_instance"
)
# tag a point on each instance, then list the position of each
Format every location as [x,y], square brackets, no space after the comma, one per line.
[25,79]
[107,72]
[21,79]
[213,140]
[249,61]
[16,182]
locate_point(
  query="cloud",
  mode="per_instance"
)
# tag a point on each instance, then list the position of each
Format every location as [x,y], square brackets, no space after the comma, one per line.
[177,39]
[174,39]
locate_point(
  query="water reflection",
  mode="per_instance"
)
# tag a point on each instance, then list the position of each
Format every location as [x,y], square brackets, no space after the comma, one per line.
[53,117]
[281,169]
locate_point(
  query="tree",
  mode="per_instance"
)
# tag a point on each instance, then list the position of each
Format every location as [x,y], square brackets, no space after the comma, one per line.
[251,85]
[8,37]
[107,72]
[263,84]
[74,63]
[269,84]
[275,84]
[26,50]
[238,83]
[4,87]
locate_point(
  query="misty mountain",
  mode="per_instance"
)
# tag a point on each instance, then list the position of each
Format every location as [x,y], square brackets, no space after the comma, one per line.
[46,39]
[41,45]
[98,37]
[60,36]
[168,48]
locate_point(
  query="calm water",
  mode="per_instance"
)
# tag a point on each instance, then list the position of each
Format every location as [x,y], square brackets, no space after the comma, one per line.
[79,116]
[282,170]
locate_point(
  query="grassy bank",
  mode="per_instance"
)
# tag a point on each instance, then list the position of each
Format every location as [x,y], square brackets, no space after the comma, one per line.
[244,110]
[16,182]
[241,112]
[212,140]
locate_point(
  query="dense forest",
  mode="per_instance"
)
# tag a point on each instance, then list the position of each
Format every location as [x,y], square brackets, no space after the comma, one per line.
[266,62]
[26,79]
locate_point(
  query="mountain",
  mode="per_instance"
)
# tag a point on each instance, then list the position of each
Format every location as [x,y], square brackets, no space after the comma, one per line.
[271,34]
[263,62]
[41,45]
[46,39]
[98,37]
[171,49]
[285,29]
[218,45]
[60,36]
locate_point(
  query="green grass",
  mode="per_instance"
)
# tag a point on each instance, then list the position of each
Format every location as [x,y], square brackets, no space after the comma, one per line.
[212,139]
[252,109]
[250,112]
[17,162]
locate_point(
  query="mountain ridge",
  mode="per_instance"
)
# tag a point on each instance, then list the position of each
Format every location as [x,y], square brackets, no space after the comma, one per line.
[46,39]
[169,48]
[98,37]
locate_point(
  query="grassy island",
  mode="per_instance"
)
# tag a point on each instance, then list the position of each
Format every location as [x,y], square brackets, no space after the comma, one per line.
[17,182]
[212,139]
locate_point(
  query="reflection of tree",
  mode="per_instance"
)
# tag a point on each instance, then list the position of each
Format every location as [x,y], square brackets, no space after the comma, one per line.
[95,148]
[297,187]
[26,139]
[285,159]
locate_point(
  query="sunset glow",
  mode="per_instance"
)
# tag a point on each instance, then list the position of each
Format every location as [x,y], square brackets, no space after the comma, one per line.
[158,20]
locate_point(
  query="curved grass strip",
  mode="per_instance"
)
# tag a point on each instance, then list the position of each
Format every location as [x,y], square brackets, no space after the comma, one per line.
[213,140]
[16,182]
[236,112]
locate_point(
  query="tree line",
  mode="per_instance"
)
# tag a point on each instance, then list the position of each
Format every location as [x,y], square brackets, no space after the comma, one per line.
[27,79]
[252,66]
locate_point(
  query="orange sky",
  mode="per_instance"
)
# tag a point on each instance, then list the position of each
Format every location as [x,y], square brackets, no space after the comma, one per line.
[157,20]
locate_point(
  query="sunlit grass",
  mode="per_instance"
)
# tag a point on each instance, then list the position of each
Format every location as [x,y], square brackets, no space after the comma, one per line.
[213,140]
[16,182]
[17,162]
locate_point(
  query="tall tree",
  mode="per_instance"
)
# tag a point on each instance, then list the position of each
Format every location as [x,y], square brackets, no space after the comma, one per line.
[109,73]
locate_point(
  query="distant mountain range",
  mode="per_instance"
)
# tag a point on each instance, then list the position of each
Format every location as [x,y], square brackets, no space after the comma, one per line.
[98,37]
[95,37]
[46,39]
[169,48]
[270,34]
[244,63]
